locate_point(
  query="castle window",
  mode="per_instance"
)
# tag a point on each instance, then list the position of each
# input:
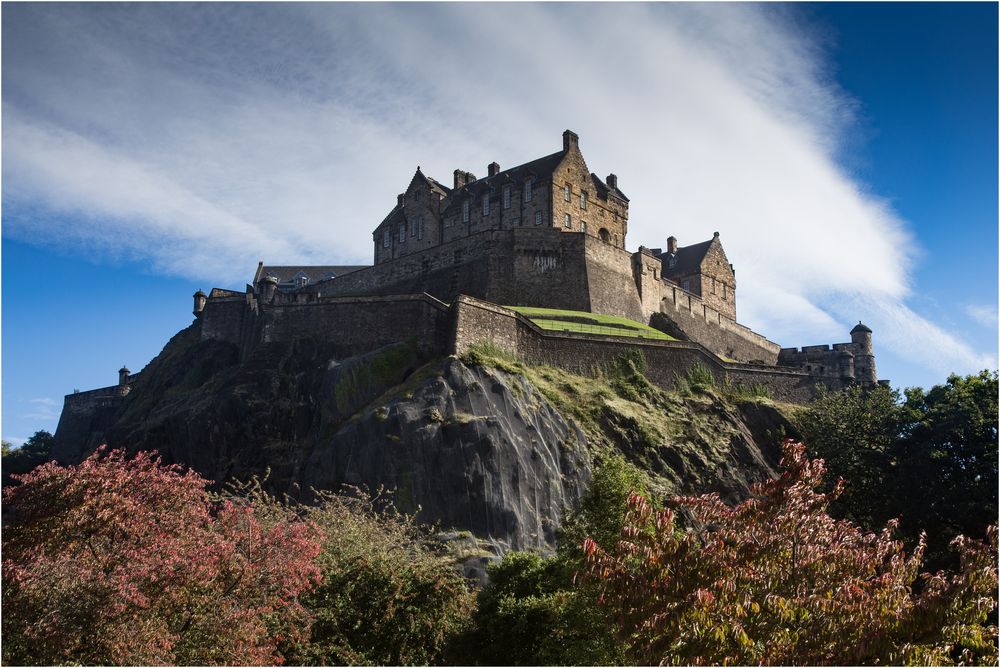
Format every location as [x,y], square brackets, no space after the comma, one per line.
[686,285]
[567,193]
[516,222]
[568,221]
[713,286]
[723,291]
[583,201]
[420,227]
[486,205]
[506,197]
[402,233]
[583,226]
[386,238]
[528,184]
[538,218]
[465,211]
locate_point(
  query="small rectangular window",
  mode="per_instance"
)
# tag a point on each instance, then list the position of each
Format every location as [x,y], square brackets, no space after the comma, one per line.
[583,201]
[583,226]
[538,218]
[402,233]
[567,193]
[567,221]
[486,205]
[420,228]
[723,291]
[465,211]
[528,184]
[386,238]
[686,285]
[506,197]
[516,222]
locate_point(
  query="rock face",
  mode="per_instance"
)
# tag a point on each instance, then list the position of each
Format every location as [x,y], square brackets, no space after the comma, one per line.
[470,448]
[497,453]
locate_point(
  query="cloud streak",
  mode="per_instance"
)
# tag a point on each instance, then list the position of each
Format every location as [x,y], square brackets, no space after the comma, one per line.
[203,138]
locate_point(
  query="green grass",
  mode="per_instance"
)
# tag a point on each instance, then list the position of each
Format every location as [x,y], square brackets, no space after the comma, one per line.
[588,323]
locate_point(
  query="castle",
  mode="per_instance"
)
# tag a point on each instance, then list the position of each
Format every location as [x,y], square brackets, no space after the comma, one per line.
[547,233]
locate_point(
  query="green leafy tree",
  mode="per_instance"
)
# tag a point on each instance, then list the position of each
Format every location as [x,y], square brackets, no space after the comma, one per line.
[532,612]
[776,580]
[122,561]
[36,450]
[385,597]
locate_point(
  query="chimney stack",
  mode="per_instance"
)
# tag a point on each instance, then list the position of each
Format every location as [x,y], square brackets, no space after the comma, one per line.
[570,140]
[671,244]
[612,181]
[462,178]
[399,199]
[493,169]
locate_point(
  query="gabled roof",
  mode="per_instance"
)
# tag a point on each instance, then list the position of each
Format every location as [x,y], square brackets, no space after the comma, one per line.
[603,188]
[315,274]
[434,185]
[543,166]
[687,259]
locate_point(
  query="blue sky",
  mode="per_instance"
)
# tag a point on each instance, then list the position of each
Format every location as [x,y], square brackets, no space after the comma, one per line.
[846,153]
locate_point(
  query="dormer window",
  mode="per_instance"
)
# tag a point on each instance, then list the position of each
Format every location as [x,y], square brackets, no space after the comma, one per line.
[528,185]
[486,205]
[583,201]
[300,280]
[465,211]
[506,197]
[568,193]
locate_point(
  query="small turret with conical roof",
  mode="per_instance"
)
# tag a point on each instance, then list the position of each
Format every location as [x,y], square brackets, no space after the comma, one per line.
[199,303]
[864,357]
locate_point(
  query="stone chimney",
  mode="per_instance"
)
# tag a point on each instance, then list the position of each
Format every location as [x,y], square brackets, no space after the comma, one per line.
[671,244]
[612,181]
[493,169]
[571,140]
[463,178]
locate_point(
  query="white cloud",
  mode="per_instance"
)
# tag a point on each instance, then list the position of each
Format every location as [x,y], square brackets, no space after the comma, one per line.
[984,314]
[206,137]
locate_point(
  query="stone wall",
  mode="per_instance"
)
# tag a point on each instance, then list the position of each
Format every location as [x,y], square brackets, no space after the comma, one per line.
[477,321]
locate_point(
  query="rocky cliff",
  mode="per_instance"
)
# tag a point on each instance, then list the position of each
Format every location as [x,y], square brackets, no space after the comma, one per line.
[482,444]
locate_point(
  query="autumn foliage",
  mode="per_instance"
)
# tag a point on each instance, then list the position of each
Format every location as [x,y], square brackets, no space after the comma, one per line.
[128,561]
[776,580]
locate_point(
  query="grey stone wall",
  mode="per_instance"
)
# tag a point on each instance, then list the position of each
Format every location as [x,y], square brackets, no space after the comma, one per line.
[584,353]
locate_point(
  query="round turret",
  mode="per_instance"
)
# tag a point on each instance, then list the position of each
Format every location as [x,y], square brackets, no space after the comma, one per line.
[199,303]
[864,359]
[862,334]
[123,374]
[268,286]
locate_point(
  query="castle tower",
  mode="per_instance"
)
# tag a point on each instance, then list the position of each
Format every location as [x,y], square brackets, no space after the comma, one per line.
[199,303]
[268,286]
[864,358]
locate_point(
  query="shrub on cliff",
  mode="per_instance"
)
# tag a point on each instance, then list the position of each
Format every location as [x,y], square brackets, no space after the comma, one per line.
[127,561]
[385,598]
[776,580]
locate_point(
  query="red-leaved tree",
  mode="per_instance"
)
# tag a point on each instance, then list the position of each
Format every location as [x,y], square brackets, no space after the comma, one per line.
[128,561]
[776,580]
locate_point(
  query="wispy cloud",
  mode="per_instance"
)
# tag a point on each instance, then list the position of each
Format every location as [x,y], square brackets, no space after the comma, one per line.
[43,408]
[204,137]
[984,314]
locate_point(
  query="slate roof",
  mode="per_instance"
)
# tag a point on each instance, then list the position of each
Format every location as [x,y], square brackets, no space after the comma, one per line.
[688,259]
[603,189]
[315,274]
[861,327]
[539,167]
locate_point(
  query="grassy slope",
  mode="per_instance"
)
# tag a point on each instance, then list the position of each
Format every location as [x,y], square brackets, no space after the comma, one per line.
[680,439]
[592,323]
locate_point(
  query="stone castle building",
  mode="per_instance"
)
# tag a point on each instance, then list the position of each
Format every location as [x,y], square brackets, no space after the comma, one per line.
[547,233]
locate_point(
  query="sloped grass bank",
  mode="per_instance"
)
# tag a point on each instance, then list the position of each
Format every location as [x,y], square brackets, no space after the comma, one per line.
[589,323]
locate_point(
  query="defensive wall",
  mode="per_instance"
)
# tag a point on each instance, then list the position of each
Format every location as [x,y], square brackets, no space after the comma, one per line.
[666,361]
[540,267]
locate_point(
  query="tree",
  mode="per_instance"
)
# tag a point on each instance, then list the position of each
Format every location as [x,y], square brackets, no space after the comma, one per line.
[127,561]
[776,580]
[36,450]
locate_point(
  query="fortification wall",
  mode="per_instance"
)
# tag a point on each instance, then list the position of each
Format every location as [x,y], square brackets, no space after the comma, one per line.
[477,321]
[685,315]
[357,325]
[611,284]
